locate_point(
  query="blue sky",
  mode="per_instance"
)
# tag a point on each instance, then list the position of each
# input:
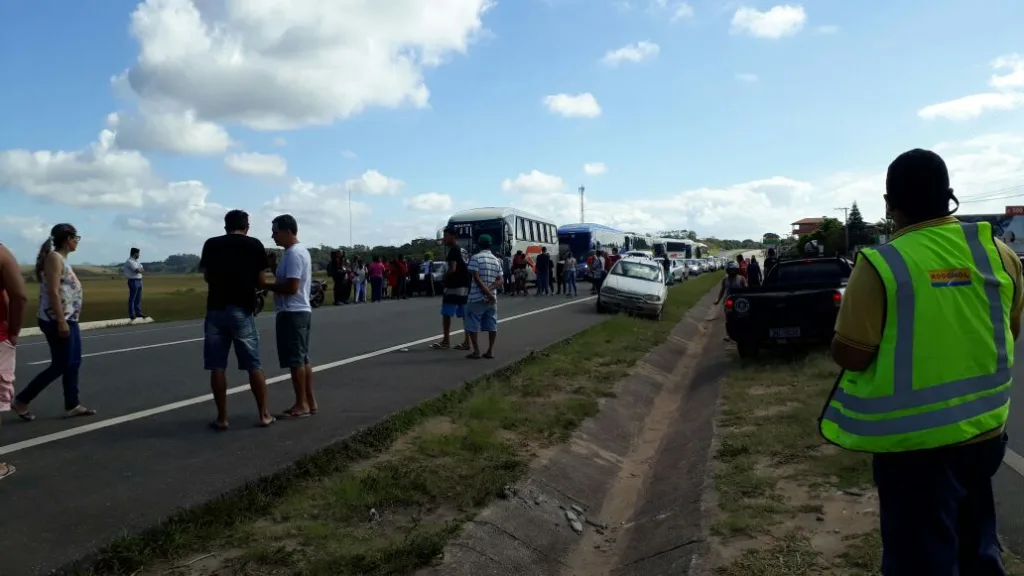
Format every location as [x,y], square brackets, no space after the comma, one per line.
[143,122]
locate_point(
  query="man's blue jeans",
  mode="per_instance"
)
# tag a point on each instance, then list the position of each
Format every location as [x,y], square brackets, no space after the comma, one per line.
[543,283]
[938,512]
[135,298]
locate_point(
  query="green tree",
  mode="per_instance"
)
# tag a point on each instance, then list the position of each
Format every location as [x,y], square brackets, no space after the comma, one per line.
[859,235]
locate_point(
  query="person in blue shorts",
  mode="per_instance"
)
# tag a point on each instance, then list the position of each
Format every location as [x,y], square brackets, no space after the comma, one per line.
[456,292]
[486,275]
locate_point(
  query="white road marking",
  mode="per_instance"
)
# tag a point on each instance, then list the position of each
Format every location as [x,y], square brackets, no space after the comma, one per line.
[132,349]
[106,334]
[107,423]
[1014,461]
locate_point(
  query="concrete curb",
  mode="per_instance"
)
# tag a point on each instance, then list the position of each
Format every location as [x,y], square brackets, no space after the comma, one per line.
[99,324]
[550,516]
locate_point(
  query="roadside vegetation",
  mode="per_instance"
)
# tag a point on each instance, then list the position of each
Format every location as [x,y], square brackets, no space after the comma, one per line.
[786,502]
[387,500]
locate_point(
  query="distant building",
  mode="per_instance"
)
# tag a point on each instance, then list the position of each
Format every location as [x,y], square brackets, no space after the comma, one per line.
[806,226]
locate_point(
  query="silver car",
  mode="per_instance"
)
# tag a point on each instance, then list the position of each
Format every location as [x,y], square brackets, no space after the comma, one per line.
[679,270]
[635,285]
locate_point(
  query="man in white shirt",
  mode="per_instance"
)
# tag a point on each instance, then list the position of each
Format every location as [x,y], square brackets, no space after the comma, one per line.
[133,273]
[291,285]
[486,275]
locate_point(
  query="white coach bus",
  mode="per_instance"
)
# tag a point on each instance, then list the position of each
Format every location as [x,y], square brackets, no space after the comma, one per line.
[511,230]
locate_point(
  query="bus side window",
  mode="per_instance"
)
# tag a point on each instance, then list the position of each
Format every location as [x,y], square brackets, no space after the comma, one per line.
[522,228]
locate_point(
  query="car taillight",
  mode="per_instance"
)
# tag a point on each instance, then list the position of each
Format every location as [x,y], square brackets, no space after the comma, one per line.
[729,303]
[837,297]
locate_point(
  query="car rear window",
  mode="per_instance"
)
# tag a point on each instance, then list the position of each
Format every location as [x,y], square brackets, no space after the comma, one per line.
[808,272]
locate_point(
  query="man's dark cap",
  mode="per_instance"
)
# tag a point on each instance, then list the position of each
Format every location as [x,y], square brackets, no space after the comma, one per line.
[449,230]
[917,176]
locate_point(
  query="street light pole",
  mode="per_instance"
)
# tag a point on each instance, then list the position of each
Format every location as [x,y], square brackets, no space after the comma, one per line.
[581,204]
[350,244]
[846,226]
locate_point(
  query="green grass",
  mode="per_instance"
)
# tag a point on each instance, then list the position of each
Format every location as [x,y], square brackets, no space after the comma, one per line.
[769,435]
[424,471]
[165,297]
[769,416]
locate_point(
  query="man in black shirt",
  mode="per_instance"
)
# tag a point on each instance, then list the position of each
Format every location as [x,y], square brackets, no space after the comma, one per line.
[543,266]
[456,291]
[232,266]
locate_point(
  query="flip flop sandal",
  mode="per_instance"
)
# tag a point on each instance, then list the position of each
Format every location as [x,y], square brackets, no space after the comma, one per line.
[460,347]
[488,356]
[473,356]
[439,346]
[79,412]
[8,470]
[313,411]
[289,415]
[26,416]
[218,426]
[266,424]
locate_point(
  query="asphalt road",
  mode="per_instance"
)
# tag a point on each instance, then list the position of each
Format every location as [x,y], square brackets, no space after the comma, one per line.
[84,482]
[1009,481]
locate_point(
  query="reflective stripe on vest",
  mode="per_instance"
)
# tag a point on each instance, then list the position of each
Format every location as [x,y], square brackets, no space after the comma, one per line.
[904,396]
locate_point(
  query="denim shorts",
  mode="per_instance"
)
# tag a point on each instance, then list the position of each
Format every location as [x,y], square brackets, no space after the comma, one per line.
[232,325]
[453,310]
[293,330]
[481,317]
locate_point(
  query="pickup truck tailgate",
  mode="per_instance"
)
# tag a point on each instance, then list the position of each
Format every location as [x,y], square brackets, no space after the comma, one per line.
[796,314]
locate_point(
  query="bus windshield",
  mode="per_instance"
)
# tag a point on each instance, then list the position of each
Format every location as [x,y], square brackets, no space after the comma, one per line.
[576,243]
[468,233]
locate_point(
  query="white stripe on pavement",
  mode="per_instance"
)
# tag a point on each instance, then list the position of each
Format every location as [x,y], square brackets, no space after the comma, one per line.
[1014,461]
[107,423]
[105,334]
[132,349]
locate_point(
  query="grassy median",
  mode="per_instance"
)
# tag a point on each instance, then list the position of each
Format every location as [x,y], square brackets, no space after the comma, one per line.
[788,503]
[387,500]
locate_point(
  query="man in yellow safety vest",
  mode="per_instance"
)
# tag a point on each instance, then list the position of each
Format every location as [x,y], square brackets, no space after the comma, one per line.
[925,337]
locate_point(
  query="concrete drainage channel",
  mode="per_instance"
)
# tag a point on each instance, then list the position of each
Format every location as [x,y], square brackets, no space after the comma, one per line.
[623,496]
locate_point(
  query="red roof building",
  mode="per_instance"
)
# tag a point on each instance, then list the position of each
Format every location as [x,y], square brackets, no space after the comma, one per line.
[806,226]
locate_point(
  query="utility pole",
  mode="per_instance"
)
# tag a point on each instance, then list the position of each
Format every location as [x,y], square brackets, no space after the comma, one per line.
[581,204]
[846,226]
[350,244]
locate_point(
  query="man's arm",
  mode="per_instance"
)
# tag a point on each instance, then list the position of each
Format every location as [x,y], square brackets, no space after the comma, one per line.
[17,295]
[204,261]
[292,275]
[859,324]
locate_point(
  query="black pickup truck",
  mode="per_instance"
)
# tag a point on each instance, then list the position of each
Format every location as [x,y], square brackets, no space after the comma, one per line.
[797,302]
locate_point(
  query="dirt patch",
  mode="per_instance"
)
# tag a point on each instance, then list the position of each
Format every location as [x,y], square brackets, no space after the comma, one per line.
[785,502]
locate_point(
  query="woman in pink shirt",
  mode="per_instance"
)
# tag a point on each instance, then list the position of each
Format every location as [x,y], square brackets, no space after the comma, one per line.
[376,279]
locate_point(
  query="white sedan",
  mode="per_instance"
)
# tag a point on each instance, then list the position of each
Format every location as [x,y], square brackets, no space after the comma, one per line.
[679,271]
[634,285]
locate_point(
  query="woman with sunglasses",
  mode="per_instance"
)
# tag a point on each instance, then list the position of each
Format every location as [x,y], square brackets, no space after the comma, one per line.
[60,305]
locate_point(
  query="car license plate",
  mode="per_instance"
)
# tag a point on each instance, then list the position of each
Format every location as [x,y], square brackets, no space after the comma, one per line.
[784,333]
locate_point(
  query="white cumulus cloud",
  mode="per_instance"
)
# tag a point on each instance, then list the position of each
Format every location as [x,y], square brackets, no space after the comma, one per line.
[1007,93]
[99,175]
[373,183]
[746,77]
[594,168]
[534,181]
[283,65]
[256,164]
[179,132]
[573,106]
[776,22]
[636,52]
[429,202]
